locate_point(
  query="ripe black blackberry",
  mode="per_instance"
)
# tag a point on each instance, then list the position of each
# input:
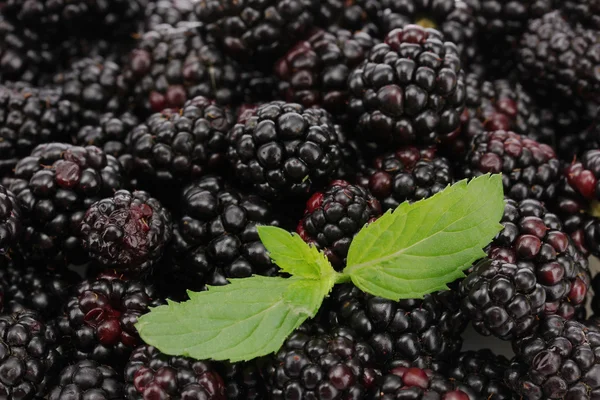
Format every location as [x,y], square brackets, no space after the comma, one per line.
[243,380]
[29,360]
[333,217]
[557,58]
[99,318]
[171,65]
[537,271]
[284,150]
[420,384]
[109,133]
[409,89]
[251,30]
[151,374]
[88,379]
[10,220]
[561,361]
[359,15]
[530,170]
[55,185]
[409,174]
[328,366]
[582,11]
[127,231]
[483,371]
[170,12]
[216,238]
[425,333]
[180,145]
[315,70]
[30,116]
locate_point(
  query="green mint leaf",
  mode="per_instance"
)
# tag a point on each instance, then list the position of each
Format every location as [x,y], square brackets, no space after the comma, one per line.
[419,248]
[248,318]
[293,255]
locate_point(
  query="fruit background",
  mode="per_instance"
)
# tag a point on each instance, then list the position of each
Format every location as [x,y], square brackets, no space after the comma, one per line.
[143,141]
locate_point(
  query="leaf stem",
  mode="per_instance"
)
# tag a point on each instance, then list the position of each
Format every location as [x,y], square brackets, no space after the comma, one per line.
[341,277]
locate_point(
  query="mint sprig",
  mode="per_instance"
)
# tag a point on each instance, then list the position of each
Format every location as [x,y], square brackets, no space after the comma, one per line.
[414,250]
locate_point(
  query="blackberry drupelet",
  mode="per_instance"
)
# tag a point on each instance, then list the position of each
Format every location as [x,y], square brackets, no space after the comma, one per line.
[561,361]
[29,360]
[334,365]
[285,150]
[216,238]
[409,174]
[127,231]
[99,318]
[560,59]
[86,380]
[315,71]
[530,170]
[151,374]
[55,185]
[584,175]
[243,380]
[409,89]
[333,217]
[425,333]
[109,133]
[360,15]
[170,12]
[251,30]
[586,12]
[420,384]
[30,116]
[10,220]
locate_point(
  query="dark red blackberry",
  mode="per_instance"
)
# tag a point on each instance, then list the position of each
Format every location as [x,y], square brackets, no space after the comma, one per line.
[99,318]
[557,58]
[333,217]
[425,333]
[420,384]
[86,380]
[109,133]
[29,360]
[315,71]
[537,271]
[247,30]
[10,220]
[409,89]
[285,150]
[409,174]
[151,374]
[596,298]
[30,116]
[483,371]
[334,365]
[216,238]
[582,11]
[530,170]
[55,185]
[243,381]
[180,145]
[127,231]
[561,361]
[170,12]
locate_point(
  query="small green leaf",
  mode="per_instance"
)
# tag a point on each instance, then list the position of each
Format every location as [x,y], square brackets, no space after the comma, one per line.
[293,255]
[248,318]
[419,248]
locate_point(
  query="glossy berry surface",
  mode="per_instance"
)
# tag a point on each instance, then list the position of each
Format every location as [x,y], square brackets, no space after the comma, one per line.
[87,379]
[10,219]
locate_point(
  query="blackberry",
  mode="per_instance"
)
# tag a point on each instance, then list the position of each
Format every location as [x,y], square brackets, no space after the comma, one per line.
[420,384]
[409,174]
[55,185]
[150,374]
[409,89]
[216,238]
[483,371]
[171,12]
[99,318]
[596,298]
[88,379]
[584,175]
[243,380]
[536,271]
[425,333]
[247,30]
[561,361]
[29,117]
[29,360]
[558,58]
[284,150]
[333,365]
[180,145]
[10,220]
[530,170]
[109,133]
[127,231]
[171,65]
[582,11]
[333,217]
[315,70]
